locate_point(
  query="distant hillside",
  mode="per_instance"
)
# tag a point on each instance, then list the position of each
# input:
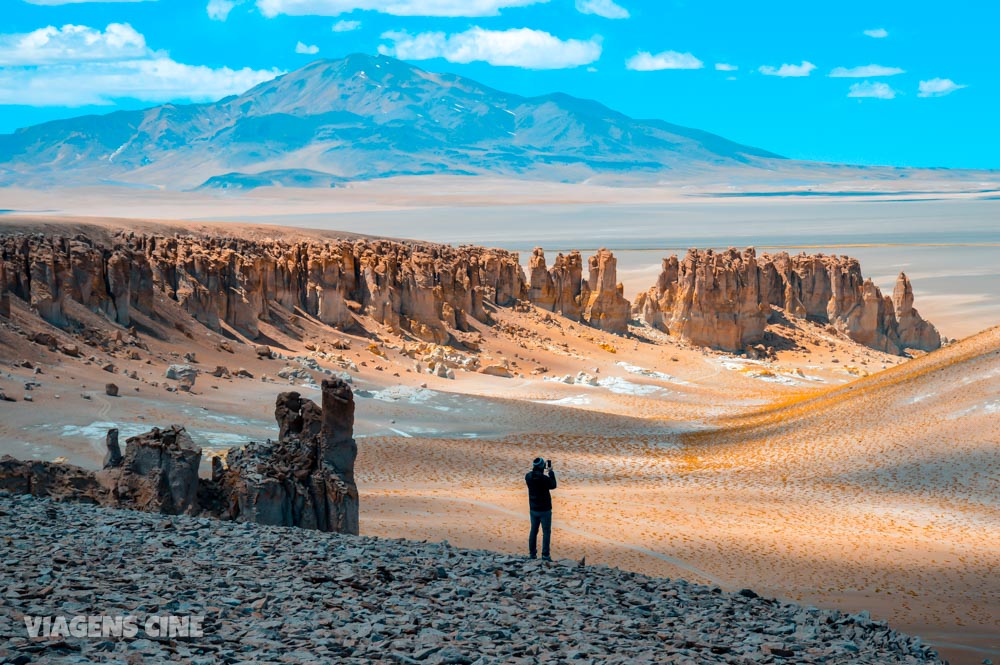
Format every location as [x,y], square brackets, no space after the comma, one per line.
[361,117]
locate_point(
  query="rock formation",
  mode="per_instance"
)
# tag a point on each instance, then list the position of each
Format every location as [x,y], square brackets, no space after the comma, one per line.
[427,290]
[435,292]
[541,290]
[603,299]
[711,299]
[723,300]
[158,472]
[4,294]
[914,331]
[304,479]
[598,301]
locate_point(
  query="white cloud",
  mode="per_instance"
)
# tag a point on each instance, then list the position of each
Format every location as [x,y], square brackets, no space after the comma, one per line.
[72,43]
[271,8]
[77,65]
[306,49]
[605,8]
[643,61]
[218,10]
[865,71]
[938,87]
[523,47]
[725,67]
[76,2]
[788,70]
[877,33]
[875,90]
[346,26]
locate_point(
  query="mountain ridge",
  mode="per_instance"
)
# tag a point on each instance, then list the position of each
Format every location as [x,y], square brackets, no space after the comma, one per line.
[357,118]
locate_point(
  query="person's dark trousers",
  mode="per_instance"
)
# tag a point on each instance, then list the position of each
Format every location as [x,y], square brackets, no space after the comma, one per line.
[543,518]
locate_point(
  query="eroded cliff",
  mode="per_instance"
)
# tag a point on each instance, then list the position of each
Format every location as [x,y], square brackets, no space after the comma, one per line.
[430,291]
[436,292]
[724,299]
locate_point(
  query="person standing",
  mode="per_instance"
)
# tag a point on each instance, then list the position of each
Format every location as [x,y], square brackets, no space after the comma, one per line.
[540,480]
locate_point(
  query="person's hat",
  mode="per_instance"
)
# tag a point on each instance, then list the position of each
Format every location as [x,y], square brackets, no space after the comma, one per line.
[538,463]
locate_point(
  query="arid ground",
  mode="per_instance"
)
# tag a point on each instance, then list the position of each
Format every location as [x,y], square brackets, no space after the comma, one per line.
[834,475]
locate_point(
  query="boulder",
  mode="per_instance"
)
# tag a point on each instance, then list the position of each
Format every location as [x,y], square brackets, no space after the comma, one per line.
[185,375]
[496,370]
[45,339]
[111,390]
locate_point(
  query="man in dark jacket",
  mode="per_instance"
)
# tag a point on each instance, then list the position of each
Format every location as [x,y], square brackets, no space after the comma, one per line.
[540,504]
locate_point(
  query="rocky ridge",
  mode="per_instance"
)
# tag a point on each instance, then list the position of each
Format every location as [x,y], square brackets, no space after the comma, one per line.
[304,479]
[269,594]
[435,293]
[430,291]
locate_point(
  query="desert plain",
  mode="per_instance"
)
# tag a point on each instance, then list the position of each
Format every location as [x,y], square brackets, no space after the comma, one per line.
[831,474]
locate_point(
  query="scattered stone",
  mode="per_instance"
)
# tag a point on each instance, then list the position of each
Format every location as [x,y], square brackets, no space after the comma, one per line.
[271,594]
[185,376]
[496,370]
[111,390]
[44,339]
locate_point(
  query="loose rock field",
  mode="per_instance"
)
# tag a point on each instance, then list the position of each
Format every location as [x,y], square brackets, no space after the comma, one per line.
[270,594]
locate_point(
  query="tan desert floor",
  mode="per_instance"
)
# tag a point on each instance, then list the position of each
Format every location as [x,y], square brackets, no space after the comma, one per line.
[800,478]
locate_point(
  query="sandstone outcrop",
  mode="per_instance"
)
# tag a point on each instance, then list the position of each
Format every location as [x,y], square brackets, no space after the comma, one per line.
[914,331]
[723,300]
[603,299]
[431,291]
[710,299]
[598,300]
[304,479]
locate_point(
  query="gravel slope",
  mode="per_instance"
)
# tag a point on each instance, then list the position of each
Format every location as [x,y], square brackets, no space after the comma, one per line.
[291,595]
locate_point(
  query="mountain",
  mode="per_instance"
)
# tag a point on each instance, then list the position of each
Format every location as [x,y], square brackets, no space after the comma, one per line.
[361,117]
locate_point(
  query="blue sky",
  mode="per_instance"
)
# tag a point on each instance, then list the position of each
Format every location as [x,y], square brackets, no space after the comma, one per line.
[878,82]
